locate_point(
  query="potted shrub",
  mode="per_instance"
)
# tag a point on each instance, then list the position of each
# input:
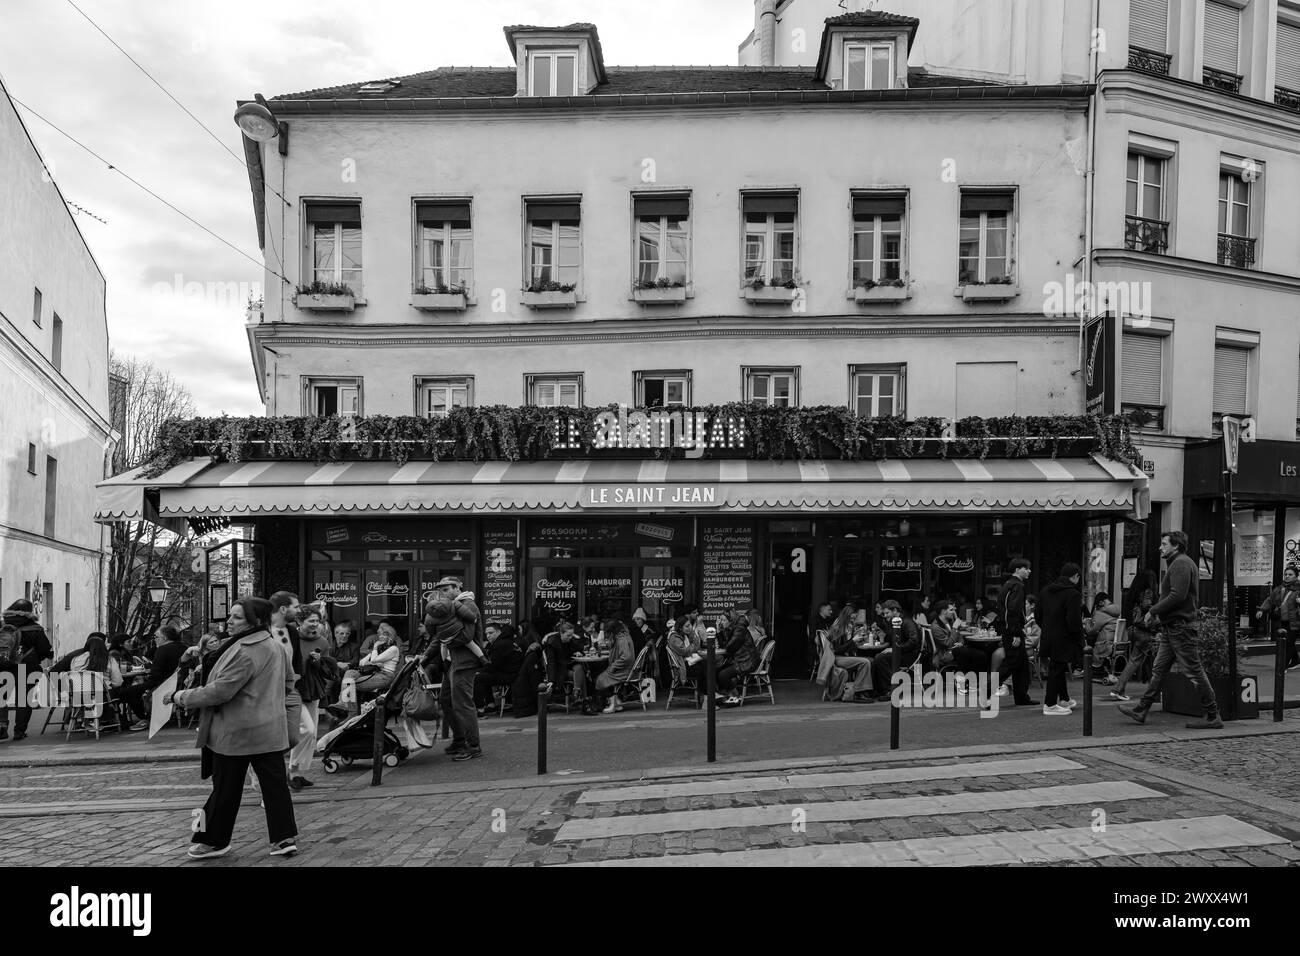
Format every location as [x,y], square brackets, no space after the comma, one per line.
[439,298]
[996,289]
[776,291]
[551,295]
[886,290]
[659,291]
[325,297]
[1179,696]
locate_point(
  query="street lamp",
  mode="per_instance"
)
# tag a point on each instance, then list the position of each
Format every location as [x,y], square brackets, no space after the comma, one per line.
[257,121]
[158,590]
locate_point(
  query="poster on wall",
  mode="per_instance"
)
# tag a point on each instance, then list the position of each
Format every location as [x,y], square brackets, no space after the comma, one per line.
[1096,573]
[499,597]
[726,567]
[1254,540]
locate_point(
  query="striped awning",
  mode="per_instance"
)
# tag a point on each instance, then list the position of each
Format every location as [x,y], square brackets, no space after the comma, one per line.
[199,488]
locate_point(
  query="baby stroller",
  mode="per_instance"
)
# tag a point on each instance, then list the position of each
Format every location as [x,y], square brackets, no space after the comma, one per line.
[354,739]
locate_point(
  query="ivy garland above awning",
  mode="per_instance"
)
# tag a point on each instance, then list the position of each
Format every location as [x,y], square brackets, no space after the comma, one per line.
[530,433]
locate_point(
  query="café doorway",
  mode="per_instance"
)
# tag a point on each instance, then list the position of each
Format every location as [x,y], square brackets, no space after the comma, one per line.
[790,583]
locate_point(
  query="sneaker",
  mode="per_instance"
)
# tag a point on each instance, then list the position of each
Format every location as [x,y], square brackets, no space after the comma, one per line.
[1067,704]
[454,748]
[1116,695]
[468,754]
[295,783]
[612,708]
[285,847]
[1136,713]
[305,782]
[139,725]
[1004,691]
[1056,710]
[1206,723]
[730,702]
[20,735]
[201,851]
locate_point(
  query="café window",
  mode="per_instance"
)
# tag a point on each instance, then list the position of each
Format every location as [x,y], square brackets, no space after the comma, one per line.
[324,397]
[662,389]
[444,247]
[772,386]
[435,397]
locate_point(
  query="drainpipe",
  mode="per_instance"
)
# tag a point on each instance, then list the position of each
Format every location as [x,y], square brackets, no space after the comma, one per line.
[767,32]
[1090,172]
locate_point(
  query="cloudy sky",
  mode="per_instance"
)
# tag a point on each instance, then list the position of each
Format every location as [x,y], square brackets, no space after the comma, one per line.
[208,55]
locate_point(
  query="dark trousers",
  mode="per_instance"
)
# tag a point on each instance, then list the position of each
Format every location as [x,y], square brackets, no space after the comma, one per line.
[1179,643]
[228,773]
[486,680]
[1058,683]
[134,697]
[458,705]
[1016,666]
[24,714]
[1291,631]
[970,660]
[726,678]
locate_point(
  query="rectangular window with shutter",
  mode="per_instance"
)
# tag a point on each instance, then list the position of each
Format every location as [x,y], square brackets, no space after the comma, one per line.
[1222,37]
[1148,25]
[1231,372]
[1142,378]
[1288,56]
[332,232]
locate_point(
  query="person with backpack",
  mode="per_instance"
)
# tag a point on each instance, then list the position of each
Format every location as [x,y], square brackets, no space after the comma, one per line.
[30,650]
[1283,604]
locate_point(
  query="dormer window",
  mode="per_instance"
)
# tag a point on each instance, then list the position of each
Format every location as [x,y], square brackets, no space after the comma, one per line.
[552,72]
[868,66]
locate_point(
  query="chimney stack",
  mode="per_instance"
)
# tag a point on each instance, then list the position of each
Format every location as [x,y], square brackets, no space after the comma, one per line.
[767,32]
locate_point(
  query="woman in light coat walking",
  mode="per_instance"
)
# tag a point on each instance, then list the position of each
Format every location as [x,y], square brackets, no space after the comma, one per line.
[243,723]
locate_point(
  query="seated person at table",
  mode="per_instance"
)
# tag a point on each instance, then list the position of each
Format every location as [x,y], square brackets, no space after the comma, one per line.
[504,658]
[686,643]
[740,656]
[166,660]
[562,645]
[1033,632]
[621,658]
[374,673]
[949,645]
[92,659]
[845,638]
[905,640]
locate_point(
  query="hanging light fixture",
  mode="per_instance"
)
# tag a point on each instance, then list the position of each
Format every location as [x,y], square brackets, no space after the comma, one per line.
[904,528]
[257,121]
[158,590]
[997,527]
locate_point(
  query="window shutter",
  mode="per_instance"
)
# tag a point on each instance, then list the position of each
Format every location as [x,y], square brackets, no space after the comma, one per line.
[674,207]
[457,212]
[765,203]
[1148,25]
[1222,36]
[1230,370]
[878,205]
[1142,370]
[987,202]
[1288,56]
[551,211]
[347,213]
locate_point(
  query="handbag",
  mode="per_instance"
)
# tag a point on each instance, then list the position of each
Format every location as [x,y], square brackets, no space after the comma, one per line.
[420,701]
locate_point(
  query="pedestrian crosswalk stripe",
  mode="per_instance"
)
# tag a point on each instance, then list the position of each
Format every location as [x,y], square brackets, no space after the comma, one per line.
[828,812]
[857,778]
[989,849]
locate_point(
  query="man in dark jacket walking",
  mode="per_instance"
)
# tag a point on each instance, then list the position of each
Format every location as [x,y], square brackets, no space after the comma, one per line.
[1061,616]
[1176,610]
[1010,610]
[462,658]
[31,647]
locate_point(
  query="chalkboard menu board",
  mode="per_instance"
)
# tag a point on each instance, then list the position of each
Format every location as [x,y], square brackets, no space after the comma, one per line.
[727,567]
[500,590]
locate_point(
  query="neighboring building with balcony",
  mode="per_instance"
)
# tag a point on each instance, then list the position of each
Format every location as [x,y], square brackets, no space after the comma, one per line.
[55,422]
[846,232]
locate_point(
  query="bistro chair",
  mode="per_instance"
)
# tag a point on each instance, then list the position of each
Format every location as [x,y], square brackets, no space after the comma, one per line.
[817,658]
[1123,647]
[565,683]
[825,663]
[633,679]
[681,679]
[761,676]
[94,718]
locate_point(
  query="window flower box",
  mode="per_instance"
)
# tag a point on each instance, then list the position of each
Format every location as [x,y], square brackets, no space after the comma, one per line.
[660,295]
[989,292]
[438,301]
[881,293]
[551,299]
[325,301]
[770,295]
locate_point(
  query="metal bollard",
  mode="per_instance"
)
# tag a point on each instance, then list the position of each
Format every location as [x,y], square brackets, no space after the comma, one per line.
[1279,676]
[712,704]
[543,704]
[1087,691]
[893,724]
[377,753]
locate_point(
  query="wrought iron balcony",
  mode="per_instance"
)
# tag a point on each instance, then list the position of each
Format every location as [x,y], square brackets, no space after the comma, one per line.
[1146,235]
[1236,251]
[1219,80]
[1287,99]
[1144,416]
[1149,61]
